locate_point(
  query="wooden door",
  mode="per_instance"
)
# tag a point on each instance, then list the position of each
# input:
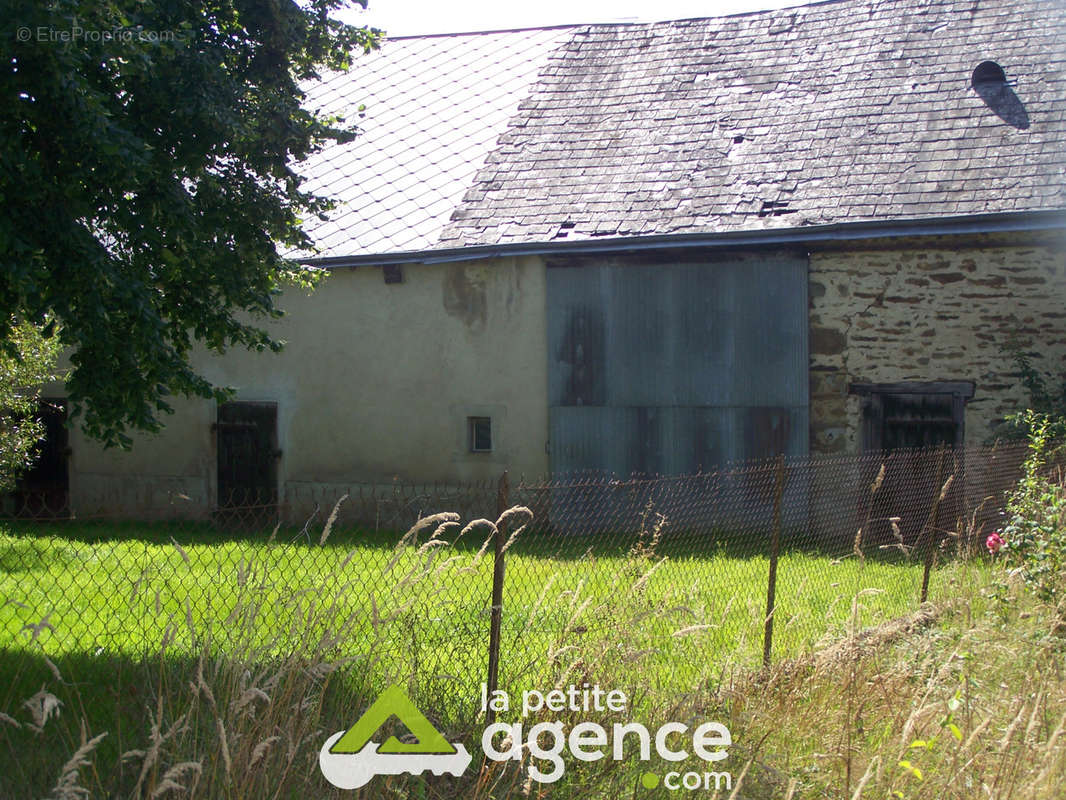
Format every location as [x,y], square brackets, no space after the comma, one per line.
[247,454]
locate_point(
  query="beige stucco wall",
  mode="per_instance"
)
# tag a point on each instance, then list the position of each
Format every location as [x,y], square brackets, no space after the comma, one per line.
[375,383]
[923,312]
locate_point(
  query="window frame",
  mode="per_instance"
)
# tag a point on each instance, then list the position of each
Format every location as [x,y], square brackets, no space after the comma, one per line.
[472,423]
[873,397]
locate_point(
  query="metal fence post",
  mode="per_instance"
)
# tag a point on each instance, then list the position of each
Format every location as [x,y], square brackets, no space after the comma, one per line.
[502,504]
[775,548]
[930,531]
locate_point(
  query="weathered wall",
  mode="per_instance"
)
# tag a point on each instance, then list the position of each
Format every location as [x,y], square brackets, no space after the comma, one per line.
[376,381]
[922,312]
[663,366]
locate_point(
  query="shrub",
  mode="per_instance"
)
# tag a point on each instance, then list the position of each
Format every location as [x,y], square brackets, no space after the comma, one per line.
[1035,535]
[27,359]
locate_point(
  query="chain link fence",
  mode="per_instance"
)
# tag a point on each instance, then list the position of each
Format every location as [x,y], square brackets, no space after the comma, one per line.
[750,563]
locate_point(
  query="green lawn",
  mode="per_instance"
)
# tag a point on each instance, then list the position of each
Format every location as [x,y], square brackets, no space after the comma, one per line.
[129,590]
[130,615]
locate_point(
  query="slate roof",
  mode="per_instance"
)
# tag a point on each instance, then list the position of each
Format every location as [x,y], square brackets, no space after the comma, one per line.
[432,110]
[838,112]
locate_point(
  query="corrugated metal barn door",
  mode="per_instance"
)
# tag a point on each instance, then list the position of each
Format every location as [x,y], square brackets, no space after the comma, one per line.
[672,368]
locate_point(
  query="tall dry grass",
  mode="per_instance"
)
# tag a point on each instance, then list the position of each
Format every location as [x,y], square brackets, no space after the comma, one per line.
[966,699]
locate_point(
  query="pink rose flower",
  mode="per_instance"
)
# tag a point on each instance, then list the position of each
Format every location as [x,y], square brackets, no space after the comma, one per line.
[994,542]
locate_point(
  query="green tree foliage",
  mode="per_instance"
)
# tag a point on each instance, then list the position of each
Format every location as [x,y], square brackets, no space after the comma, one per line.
[29,362]
[147,181]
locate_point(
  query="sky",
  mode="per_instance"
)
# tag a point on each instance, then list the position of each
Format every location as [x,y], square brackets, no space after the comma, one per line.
[409,17]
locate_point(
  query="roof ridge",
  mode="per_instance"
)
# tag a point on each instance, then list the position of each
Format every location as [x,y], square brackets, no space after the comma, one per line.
[451,34]
[633,23]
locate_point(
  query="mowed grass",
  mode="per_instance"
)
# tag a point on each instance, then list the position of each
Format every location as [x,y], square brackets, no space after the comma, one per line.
[127,589]
[128,625]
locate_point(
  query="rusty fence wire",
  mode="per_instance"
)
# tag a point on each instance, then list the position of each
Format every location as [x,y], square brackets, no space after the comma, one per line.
[749,563]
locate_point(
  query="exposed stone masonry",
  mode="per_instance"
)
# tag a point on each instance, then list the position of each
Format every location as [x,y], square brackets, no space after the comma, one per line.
[940,313]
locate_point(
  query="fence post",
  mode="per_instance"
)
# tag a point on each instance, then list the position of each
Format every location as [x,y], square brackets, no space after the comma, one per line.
[775,548]
[502,504]
[930,525]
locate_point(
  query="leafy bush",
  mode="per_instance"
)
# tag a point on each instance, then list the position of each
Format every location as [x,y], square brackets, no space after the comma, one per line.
[27,359]
[1036,533]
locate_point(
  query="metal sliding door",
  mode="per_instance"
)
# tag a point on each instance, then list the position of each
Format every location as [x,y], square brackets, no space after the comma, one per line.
[673,368]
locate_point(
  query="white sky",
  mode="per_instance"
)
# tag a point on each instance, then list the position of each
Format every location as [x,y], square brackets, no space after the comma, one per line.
[407,17]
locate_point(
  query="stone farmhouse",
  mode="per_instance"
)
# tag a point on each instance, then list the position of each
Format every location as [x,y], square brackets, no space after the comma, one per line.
[651,248]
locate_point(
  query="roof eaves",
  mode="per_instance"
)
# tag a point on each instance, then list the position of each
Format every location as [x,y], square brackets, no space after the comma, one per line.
[1002,222]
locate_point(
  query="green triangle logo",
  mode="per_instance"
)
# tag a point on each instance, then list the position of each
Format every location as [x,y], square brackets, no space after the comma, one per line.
[393,703]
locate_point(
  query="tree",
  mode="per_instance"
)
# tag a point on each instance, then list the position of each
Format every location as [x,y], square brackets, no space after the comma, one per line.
[21,376]
[147,152]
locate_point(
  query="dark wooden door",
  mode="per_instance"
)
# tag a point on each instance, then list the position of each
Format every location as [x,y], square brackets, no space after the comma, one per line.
[44,489]
[918,420]
[917,432]
[247,454]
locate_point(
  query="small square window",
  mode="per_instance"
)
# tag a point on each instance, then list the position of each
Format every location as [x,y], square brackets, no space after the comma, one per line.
[393,273]
[479,434]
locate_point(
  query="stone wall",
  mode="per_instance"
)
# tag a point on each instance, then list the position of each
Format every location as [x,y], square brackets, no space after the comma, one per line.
[940,310]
